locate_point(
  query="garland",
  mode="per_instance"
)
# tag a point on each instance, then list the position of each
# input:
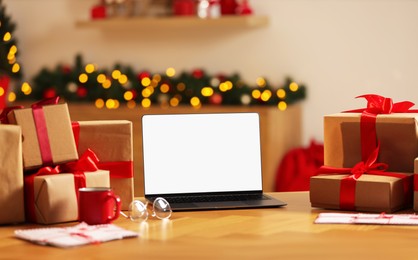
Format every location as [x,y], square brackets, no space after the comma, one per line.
[110,88]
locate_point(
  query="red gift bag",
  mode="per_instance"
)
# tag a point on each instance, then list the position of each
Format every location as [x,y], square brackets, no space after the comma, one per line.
[297,166]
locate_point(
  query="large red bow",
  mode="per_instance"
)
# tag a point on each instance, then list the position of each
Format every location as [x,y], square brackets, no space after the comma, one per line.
[382,105]
[348,183]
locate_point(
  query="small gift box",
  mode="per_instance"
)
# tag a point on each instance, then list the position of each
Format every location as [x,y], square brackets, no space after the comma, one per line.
[365,187]
[350,137]
[416,185]
[111,140]
[47,134]
[55,196]
[11,175]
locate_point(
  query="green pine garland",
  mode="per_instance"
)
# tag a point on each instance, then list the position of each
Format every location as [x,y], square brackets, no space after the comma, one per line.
[64,81]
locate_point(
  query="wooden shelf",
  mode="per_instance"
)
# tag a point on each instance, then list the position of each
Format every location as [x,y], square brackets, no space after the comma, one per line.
[180,22]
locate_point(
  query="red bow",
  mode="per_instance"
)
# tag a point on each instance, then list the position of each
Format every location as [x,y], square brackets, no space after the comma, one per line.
[381,105]
[368,167]
[348,183]
[87,162]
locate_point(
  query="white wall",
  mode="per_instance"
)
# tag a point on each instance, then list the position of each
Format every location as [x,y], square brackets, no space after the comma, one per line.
[338,48]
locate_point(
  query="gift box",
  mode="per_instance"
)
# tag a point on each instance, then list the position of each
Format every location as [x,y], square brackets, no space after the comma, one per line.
[11,175]
[47,135]
[416,184]
[55,196]
[112,142]
[371,193]
[396,133]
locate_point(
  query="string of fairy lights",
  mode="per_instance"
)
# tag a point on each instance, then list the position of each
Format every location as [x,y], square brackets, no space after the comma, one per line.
[13,67]
[122,86]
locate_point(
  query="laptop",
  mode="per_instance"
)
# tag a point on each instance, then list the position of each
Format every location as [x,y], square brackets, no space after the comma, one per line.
[204,161]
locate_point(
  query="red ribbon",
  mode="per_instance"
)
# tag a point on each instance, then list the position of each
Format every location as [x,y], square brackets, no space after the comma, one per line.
[117,169]
[3,115]
[41,129]
[376,105]
[348,184]
[86,163]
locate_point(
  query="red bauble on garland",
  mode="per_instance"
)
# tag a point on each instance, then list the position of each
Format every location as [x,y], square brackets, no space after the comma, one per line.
[215,99]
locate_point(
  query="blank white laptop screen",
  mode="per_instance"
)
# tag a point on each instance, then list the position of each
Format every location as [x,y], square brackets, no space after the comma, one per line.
[200,153]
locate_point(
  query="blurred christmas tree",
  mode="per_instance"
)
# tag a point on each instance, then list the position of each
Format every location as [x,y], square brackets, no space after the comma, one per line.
[9,68]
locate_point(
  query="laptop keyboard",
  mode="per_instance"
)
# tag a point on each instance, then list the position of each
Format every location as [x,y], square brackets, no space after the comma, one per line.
[216,198]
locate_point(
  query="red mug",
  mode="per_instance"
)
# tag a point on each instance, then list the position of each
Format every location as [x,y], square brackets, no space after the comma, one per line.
[98,205]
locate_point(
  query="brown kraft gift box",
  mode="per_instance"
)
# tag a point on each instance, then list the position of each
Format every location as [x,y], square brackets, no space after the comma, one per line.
[416,185]
[373,193]
[56,198]
[397,134]
[59,135]
[111,141]
[11,175]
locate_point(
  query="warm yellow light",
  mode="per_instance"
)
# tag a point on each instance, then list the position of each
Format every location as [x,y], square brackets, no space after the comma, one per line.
[282,106]
[266,95]
[146,102]
[26,88]
[147,92]
[174,102]
[7,37]
[101,78]
[229,84]
[281,93]
[1,91]
[90,68]
[15,68]
[195,102]
[83,78]
[293,86]
[145,81]
[116,74]
[111,103]
[128,95]
[99,103]
[123,79]
[13,50]
[11,97]
[207,91]
[223,87]
[256,94]
[261,82]
[170,72]
[107,84]
[164,88]
[11,57]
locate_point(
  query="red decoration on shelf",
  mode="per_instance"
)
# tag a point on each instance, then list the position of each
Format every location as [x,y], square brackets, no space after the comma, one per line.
[144,74]
[244,8]
[184,7]
[98,12]
[81,92]
[228,7]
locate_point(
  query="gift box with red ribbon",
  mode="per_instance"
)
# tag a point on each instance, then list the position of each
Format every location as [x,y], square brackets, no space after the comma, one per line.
[47,134]
[51,193]
[112,141]
[11,175]
[349,137]
[367,186]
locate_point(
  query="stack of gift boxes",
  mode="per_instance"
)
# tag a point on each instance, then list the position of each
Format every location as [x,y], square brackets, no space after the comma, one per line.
[45,158]
[369,159]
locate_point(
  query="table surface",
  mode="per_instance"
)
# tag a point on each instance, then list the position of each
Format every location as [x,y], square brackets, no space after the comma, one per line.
[287,232]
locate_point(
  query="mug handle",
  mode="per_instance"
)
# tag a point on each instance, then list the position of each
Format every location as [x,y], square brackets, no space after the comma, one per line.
[116,198]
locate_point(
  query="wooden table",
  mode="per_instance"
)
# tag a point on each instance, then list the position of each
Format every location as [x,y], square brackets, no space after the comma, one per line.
[279,233]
